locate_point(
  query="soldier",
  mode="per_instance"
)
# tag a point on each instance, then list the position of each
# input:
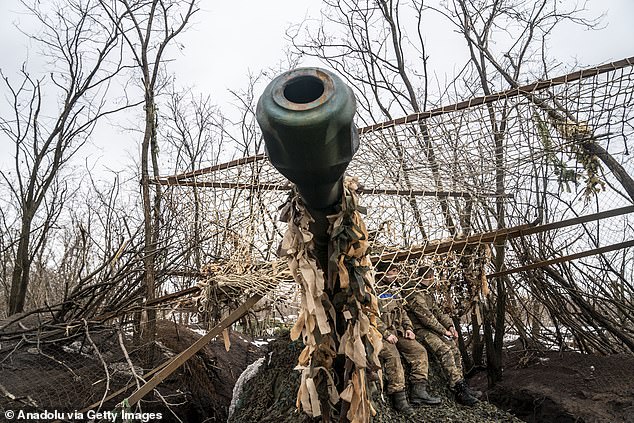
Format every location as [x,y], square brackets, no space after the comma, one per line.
[396,328]
[437,332]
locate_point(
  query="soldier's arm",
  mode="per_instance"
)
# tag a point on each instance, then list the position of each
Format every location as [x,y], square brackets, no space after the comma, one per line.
[383,328]
[406,321]
[445,319]
[442,317]
[418,307]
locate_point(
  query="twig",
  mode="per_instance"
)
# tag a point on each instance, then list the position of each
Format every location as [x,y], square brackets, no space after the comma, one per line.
[138,378]
[105,366]
[61,363]
[29,401]
[17,345]
[127,359]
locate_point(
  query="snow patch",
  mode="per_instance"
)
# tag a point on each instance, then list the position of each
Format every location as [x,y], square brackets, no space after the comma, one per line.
[249,372]
[510,337]
[124,369]
[262,342]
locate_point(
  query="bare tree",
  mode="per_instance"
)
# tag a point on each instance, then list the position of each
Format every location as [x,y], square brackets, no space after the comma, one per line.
[6,246]
[84,54]
[148,28]
[193,138]
[366,43]
[387,68]
[523,28]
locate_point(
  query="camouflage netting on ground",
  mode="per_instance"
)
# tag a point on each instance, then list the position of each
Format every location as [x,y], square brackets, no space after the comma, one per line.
[71,375]
[271,395]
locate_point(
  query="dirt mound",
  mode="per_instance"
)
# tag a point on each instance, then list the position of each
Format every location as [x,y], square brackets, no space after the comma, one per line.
[270,396]
[566,387]
[544,387]
[70,375]
[208,377]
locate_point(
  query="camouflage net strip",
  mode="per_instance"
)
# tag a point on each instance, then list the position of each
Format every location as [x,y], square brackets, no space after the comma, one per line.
[357,303]
[362,341]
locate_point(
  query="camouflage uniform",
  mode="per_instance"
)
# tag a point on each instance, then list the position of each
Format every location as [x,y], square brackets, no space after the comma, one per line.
[395,321]
[430,325]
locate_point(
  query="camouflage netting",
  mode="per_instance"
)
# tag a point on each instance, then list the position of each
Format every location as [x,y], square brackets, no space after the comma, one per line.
[270,396]
[350,294]
[479,190]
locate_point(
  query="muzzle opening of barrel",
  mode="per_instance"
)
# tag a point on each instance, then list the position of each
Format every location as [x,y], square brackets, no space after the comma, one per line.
[304,89]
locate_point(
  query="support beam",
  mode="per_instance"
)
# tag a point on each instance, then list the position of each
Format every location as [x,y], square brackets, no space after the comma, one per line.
[181,358]
[563,259]
[222,166]
[513,92]
[287,187]
[489,237]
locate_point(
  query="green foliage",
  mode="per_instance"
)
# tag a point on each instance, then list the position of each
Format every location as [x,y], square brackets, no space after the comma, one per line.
[560,169]
[576,133]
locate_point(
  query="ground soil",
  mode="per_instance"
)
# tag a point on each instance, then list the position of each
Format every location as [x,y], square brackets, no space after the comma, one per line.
[66,377]
[209,376]
[564,387]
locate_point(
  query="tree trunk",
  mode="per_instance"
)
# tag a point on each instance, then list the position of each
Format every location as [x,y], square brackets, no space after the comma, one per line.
[21,270]
[494,345]
[466,359]
[615,167]
[477,347]
[149,259]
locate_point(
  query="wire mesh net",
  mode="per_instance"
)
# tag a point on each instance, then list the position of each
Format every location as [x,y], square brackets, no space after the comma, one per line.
[53,370]
[455,188]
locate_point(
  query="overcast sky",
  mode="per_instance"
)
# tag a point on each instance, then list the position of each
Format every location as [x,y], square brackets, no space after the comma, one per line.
[229,38]
[233,37]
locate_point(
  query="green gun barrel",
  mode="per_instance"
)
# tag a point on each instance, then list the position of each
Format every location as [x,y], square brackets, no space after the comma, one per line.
[306,119]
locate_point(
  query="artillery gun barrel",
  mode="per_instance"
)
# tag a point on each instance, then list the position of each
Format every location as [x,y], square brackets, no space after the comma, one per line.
[306,116]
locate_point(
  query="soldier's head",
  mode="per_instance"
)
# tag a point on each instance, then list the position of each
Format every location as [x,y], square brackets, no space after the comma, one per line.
[391,274]
[426,275]
[387,273]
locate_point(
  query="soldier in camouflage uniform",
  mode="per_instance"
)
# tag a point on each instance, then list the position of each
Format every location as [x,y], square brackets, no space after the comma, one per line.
[437,332]
[398,337]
